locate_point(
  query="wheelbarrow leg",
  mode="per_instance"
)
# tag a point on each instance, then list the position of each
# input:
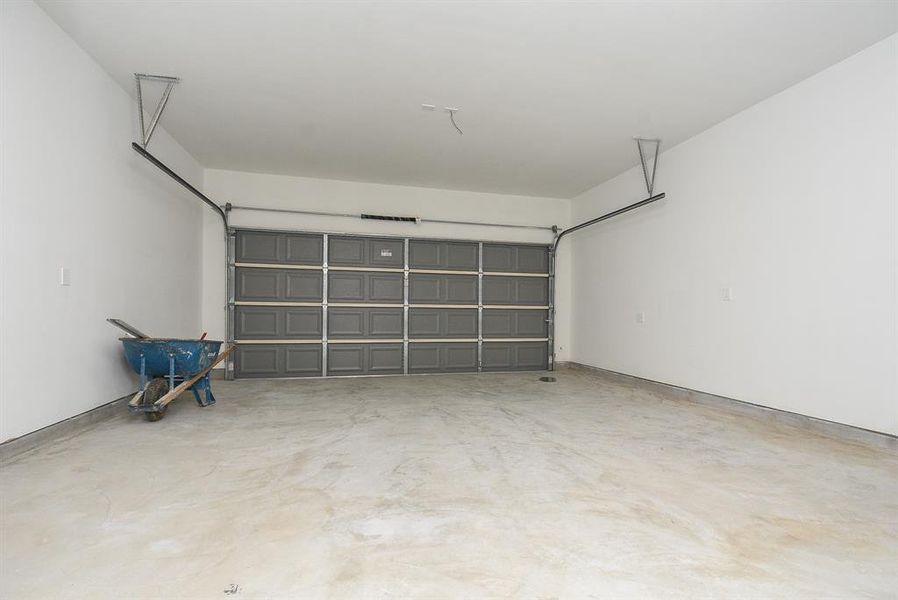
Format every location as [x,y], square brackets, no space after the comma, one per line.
[204,386]
[171,372]
[143,372]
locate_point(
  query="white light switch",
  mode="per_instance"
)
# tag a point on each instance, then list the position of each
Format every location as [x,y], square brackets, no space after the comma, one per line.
[65,277]
[727,294]
[640,317]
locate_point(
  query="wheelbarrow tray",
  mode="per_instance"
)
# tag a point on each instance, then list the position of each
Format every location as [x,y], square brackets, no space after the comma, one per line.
[191,356]
[184,361]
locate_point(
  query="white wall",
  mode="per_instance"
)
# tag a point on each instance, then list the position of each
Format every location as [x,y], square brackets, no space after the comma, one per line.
[274,191]
[792,203]
[74,194]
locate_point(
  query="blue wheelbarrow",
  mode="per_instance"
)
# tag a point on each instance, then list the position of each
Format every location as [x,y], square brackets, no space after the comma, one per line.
[169,367]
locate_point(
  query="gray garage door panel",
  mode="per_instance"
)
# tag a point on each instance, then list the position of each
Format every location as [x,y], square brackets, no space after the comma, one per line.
[380,326]
[258,361]
[357,286]
[303,286]
[442,289]
[520,356]
[364,359]
[365,252]
[253,246]
[302,323]
[273,322]
[451,256]
[278,360]
[359,323]
[509,258]
[277,285]
[302,360]
[532,291]
[442,357]
[500,322]
[427,323]
[384,359]
[307,250]
[286,248]
[346,359]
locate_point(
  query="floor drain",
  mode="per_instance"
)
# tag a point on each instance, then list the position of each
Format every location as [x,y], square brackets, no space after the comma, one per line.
[547,379]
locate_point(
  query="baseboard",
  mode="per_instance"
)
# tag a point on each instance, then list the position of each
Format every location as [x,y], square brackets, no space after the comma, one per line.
[831,429]
[64,429]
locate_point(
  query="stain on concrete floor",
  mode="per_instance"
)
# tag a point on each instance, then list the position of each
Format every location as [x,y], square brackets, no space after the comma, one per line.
[449,486]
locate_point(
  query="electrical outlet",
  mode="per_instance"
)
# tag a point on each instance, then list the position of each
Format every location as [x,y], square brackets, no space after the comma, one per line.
[65,276]
[640,317]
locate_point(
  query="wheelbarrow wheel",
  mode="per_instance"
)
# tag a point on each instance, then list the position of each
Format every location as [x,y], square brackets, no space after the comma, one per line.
[152,417]
[155,390]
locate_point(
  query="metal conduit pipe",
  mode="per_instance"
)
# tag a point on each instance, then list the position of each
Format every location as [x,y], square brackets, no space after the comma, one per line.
[553,253]
[164,168]
[605,217]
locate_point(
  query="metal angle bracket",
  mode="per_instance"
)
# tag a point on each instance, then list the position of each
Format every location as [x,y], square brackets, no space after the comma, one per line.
[648,148]
[146,133]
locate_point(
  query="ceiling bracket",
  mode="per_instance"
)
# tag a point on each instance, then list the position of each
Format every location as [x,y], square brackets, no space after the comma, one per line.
[146,133]
[648,149]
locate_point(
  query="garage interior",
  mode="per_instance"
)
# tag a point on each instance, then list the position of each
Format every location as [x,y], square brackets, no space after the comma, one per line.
[497,300]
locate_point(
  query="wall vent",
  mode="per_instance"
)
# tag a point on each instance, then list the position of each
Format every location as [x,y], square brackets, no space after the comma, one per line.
[390,218]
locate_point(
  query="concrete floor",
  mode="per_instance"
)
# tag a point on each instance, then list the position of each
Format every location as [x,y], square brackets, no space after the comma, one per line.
[446,487]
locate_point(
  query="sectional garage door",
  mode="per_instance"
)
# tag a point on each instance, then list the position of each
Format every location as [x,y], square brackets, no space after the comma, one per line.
[307,305]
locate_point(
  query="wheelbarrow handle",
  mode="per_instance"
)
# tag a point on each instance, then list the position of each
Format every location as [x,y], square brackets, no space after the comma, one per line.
[129,329]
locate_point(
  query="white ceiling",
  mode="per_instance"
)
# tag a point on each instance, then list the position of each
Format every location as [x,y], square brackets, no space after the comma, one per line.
[550,93]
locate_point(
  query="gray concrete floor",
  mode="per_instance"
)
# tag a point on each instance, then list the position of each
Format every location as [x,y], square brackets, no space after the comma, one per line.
[448,487]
